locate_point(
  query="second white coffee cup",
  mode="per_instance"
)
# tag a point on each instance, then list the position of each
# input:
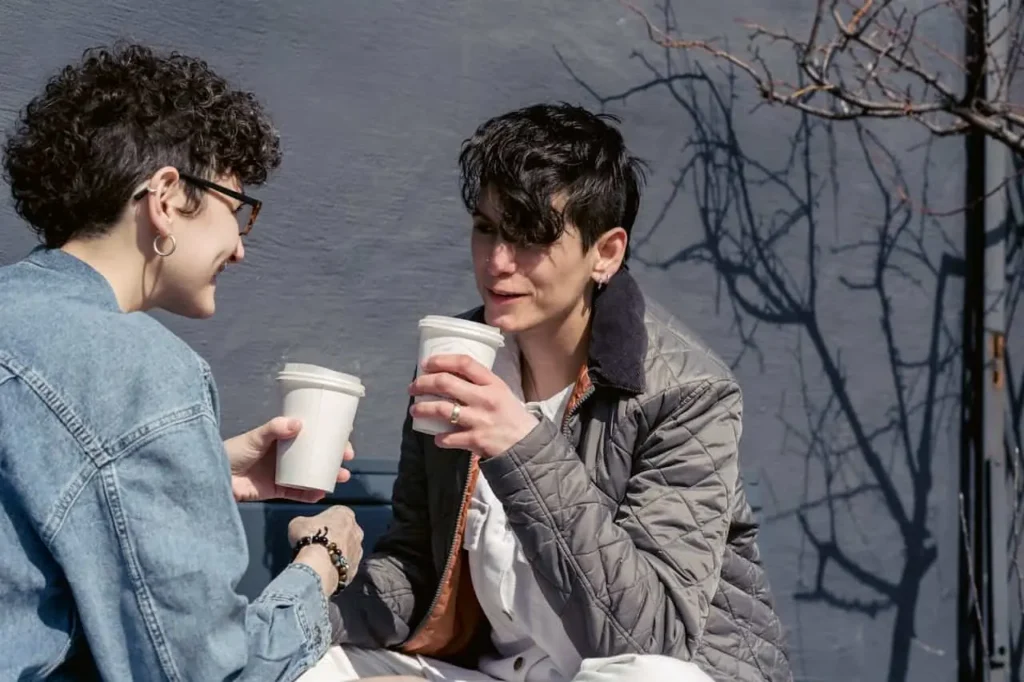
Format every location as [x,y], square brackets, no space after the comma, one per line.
[454,336]
[326,402]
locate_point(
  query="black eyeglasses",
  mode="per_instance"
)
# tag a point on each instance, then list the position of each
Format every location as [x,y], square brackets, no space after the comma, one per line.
[246,211]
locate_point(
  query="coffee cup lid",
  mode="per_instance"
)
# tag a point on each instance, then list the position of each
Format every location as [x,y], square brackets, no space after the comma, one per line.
[327,377]
[474,330]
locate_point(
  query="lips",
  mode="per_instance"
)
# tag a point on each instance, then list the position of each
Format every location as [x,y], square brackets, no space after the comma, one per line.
[504,296]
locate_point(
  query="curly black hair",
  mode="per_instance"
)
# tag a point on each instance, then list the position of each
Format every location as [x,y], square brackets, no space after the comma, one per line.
[531,155]
[103,125]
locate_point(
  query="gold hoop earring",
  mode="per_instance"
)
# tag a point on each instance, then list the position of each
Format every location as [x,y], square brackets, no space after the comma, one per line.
[168,252]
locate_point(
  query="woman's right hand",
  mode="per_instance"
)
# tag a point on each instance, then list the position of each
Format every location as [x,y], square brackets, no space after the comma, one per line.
[342,530]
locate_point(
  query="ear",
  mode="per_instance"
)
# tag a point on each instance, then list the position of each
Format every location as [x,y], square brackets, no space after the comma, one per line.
[164,196]
[610,250]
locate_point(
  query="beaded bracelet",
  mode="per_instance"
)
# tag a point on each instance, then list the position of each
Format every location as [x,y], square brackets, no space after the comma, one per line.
[337,558]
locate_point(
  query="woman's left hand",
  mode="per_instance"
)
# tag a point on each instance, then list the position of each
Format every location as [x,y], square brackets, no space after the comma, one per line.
[254,463]
[491,418]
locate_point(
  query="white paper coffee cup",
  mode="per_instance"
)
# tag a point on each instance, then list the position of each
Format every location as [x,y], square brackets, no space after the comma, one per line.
[454,336]
[326,402]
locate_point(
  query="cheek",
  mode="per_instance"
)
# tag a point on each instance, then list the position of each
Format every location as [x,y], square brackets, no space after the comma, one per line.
[480,252]
[479,248]
[207,245]
[559,289]
[550,291]
[219,226]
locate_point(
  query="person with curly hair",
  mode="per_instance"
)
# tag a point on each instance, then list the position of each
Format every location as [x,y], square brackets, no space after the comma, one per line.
[122,541]
[584,519]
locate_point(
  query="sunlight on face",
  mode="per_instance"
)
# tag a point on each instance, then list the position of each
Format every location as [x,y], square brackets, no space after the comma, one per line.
[524,288]
[207,243]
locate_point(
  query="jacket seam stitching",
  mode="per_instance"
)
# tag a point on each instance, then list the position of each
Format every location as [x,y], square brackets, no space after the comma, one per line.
[55,403]
[141,590]
[147,434]
[111,492]
[701,389]
[62,655]
[314,644]
[731,655]
[744,632]
[697,393]
[591,591]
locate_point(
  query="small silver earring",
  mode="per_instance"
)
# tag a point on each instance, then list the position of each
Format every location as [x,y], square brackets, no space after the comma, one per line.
[168,252]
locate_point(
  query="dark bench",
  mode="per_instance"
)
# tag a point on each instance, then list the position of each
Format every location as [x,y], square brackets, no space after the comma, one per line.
[368,493]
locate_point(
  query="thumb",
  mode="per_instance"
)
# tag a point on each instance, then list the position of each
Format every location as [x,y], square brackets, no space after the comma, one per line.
[275,429]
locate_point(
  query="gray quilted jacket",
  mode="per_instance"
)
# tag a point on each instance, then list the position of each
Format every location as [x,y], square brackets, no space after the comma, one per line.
[632,513]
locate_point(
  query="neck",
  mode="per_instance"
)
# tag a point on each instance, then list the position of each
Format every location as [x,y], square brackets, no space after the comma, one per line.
[553,354]
[121,263]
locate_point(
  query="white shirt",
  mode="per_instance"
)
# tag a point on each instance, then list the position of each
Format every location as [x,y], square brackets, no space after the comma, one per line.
[531,642]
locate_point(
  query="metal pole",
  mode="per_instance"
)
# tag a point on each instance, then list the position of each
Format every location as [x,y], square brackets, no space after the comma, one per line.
[984,581]
[993,415]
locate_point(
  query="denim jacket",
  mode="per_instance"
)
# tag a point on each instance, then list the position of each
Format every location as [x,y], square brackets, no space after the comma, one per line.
[120,542]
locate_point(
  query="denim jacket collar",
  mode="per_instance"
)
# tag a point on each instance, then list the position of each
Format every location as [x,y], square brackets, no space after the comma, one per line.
[77,269]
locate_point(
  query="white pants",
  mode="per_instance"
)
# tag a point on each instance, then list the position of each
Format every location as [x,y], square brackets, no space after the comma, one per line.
[342,664]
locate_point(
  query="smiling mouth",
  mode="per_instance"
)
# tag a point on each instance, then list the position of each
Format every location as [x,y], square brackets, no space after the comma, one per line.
[504,297]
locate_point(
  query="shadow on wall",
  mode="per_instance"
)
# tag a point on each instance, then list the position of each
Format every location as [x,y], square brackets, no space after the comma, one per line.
[858,459]
[1014,232]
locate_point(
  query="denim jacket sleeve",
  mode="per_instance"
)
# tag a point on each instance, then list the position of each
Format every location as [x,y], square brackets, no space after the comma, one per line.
[153,548]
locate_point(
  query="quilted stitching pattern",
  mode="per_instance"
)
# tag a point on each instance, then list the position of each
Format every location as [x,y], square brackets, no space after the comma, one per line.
[673,568]
[645,544]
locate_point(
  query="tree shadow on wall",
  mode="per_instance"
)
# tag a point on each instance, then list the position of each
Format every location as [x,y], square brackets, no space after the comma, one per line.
[769,269]
[1014,233]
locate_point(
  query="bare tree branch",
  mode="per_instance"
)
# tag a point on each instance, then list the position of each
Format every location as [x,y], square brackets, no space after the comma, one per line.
[871,59]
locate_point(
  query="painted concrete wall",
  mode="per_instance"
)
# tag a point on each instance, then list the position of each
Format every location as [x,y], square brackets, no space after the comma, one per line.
[781,241]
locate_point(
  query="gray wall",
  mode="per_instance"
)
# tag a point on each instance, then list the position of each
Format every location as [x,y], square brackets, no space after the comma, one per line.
[783,243]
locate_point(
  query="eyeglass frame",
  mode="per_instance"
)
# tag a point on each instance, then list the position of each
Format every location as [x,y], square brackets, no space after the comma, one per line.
[256,204]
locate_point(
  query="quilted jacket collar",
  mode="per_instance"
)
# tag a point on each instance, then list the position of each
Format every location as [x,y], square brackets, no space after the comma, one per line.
[618,336]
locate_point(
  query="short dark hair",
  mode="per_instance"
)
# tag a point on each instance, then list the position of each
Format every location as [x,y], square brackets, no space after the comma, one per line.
[103,125]
[530,155]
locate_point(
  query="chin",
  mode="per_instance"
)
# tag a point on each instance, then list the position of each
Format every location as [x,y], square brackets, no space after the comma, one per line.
[198,309]
[204,313]
[206,304]
[508,322]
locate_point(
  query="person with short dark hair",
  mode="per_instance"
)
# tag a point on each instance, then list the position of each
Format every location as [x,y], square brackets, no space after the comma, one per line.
[122,541]
[586,520]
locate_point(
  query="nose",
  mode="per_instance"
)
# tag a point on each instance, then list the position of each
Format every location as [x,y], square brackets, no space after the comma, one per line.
[502,260]
[239,253]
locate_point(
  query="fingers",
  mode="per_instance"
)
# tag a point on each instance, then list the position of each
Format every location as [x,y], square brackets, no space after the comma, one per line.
[338,518]
[458,440]
[308,496]
[448,385]
[441,410]
[460,365]
[344,475]
[342,529]
[301,495]
[350,452]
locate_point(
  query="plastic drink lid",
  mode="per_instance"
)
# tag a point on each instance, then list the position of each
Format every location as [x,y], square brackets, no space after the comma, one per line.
[474,330]
[328,377]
